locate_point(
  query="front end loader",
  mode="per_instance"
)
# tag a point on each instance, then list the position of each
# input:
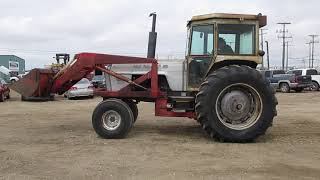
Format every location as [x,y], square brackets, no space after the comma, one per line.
[222,89]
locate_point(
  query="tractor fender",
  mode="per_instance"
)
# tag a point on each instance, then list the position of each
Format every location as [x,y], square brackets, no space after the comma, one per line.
[227,62]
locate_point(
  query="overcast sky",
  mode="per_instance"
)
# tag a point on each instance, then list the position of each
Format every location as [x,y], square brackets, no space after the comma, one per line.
[37,29]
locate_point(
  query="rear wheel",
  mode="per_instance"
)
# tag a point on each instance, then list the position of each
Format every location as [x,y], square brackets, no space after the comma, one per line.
[71,98]
[235,104]
[134,108]
[112,119]
[284,87]
[315,86]
[2,97]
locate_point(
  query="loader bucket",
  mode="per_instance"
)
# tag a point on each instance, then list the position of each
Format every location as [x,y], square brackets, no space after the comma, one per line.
[37,83]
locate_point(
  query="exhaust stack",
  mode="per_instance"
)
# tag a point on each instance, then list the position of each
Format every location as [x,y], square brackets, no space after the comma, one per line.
[152,37]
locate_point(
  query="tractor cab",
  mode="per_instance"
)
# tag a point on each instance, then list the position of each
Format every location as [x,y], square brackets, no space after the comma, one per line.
[216,40]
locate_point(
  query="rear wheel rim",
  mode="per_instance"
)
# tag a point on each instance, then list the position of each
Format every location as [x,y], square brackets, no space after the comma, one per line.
[239,106]
[284,88]
[111,120]
[314,87]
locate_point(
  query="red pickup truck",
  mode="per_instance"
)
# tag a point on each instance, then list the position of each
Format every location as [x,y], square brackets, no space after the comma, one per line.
[4,91]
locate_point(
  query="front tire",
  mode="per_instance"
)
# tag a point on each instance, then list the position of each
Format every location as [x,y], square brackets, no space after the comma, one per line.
[112,119]
[70,98]
[235,104]
[315,86]
[2,98]
[284,87]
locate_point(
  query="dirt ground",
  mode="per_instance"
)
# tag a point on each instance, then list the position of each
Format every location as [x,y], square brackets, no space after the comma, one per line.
[55,140]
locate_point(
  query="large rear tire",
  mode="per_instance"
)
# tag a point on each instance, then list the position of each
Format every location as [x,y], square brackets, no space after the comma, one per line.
[236,104]
[112,119]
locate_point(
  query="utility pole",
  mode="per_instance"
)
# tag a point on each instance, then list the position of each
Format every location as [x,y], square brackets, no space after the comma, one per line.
[268,60]
[262,42]
[284,37]
[304,63]
[312,47]
[287,43]
[309,62]
[287,60]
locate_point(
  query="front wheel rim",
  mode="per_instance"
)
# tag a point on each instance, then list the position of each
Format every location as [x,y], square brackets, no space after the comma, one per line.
[284,88]
[111,120]
[239,106]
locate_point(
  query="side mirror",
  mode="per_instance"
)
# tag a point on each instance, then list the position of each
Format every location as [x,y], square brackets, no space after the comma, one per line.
[261,53]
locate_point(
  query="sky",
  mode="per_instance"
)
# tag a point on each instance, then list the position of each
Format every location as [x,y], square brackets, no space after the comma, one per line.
[38,29]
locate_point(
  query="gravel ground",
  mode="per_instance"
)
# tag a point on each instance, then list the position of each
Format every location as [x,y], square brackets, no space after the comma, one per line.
[55,140]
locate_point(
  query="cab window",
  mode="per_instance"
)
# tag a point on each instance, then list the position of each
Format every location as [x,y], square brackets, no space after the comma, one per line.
[276,72]
[312,72]
[296,72]
[236,39]
[201,52]
[267,74]
[202,40]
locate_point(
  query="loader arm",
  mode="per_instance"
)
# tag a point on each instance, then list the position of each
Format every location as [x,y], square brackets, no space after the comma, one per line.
[43,82]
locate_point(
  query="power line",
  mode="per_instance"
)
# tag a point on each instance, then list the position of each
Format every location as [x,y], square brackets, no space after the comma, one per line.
[284,37]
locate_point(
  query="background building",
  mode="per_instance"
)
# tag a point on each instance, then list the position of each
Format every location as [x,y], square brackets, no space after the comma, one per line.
[14,63]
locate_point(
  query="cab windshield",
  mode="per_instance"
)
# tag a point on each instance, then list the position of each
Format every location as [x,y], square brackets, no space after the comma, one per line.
[236,39]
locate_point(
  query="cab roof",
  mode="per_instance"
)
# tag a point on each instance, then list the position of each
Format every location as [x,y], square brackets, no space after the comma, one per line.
[262,19]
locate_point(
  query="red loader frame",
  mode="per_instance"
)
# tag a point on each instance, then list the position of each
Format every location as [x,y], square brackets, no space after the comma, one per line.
[85,63]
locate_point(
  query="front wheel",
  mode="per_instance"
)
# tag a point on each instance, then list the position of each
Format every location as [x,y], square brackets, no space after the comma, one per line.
[235,104]
[314,86]
[284,87]
[2,98]
[112,119]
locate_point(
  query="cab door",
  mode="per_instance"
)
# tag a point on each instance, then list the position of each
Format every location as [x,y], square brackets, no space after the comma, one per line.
[201,52]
